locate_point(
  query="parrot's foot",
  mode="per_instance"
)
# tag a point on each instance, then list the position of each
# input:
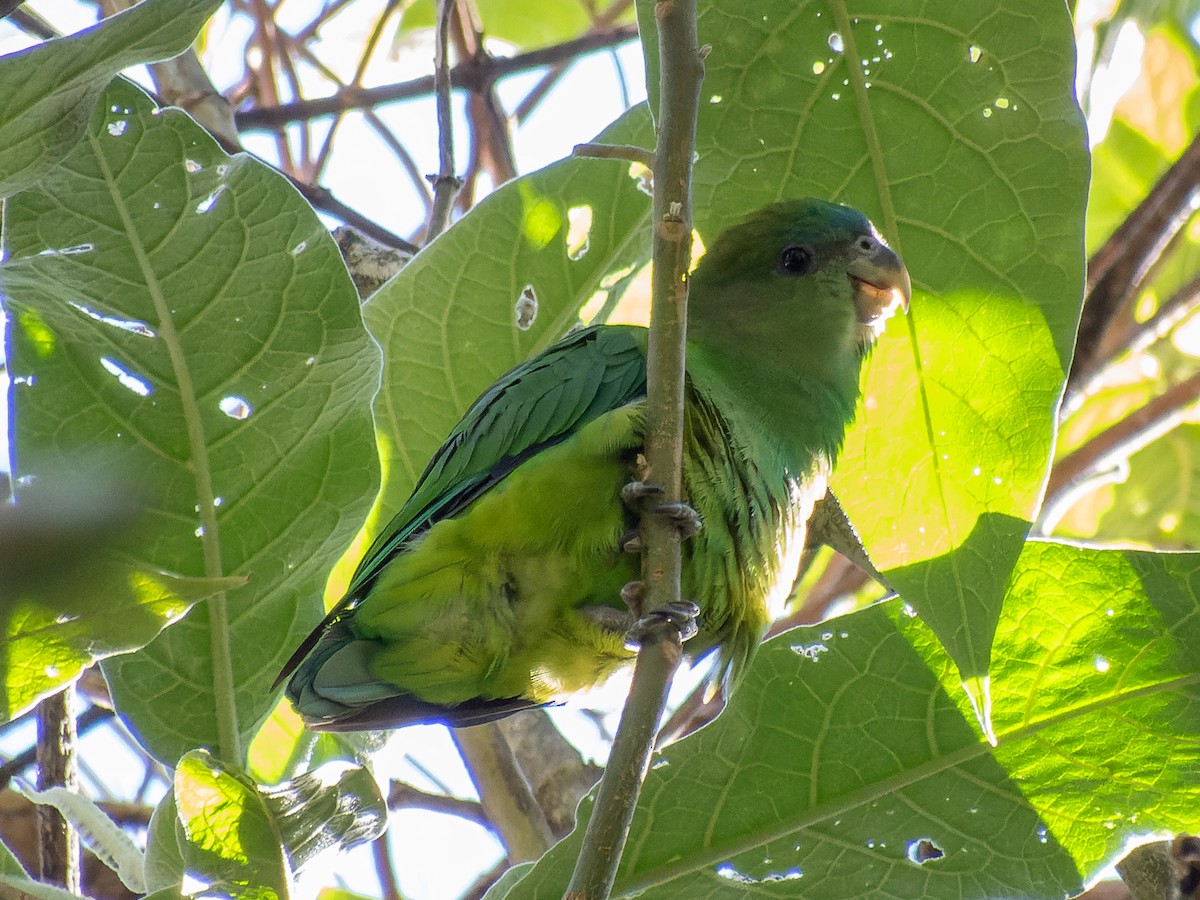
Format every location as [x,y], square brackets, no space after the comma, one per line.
[685,519]
[679,616]
[609,618]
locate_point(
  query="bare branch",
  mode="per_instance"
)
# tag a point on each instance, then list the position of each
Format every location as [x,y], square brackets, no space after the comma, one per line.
[470,74]
[510,806]
[681,73]
[405,796]
[615,151]
[58,844]
[445,184]
[1115,445]
[1118,268]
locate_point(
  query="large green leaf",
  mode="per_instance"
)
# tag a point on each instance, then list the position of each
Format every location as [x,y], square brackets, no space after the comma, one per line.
[47,92]
[958,133]
[856,735]
[182,315]
[458,315]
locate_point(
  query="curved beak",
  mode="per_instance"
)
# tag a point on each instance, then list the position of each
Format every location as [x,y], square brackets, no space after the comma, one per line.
[881,285]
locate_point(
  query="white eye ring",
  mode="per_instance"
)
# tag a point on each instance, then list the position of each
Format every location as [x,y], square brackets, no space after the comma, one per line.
[866,244]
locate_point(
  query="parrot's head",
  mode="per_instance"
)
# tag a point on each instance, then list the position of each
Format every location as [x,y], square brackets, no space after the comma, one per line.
[832,247]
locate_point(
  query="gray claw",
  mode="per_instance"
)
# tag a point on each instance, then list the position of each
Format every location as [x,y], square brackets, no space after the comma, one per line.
[681,616]
[635,492]
[633,593]
[682,516]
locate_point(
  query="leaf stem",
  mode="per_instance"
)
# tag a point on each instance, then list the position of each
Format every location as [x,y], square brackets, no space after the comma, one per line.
[229,744]
[681,74]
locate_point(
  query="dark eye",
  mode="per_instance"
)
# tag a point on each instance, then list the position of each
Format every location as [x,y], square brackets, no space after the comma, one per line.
[866,244]
[796,260]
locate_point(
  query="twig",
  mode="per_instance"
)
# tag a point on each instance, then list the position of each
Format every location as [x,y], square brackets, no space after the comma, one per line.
[385,867]
[599,23]
[1115,444]
[1118,267]
[92,717]
[445,184]
[322,199]
[510,806]
[1132,337]
[470,74]
[615,151]
[484,882]
[405,796]
[58,844]
[680,76]
[556,772]
[8,7]
[359,71]
[34,24]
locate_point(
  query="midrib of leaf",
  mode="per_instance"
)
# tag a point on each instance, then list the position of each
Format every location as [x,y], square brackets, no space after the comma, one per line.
[783,828]
[875,151]
[225,702]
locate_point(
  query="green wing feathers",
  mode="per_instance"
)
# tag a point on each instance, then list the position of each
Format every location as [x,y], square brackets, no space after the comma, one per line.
[497,586]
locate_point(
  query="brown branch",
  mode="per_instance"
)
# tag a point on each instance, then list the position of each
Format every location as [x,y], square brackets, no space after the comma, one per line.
[484,882]
[473,74]
[405,796]
[556,772]
[322,199]
[1114,445]
[539,91]
[509,803]
[681,71]
[58,845]
[615,151]
[31,23]
[1119,267]
[360,71]
[385,868]
[445,184]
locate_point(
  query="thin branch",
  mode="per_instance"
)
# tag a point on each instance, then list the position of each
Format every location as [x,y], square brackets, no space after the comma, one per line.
[58,844]
[484,882]
[1114,445]
[8,7]
[359,72]
[445,185]
[491,142]
[407,163]
[31,23]
[385,867]
[470,74]
[322,199]
[615,151]
[599,24]
[88,720]
[405,796]
[509,803]
[681,73]
[1134,337]
[1117,268]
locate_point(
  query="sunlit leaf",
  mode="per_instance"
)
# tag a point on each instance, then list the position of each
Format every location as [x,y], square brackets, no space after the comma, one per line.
[47,92]
[183,315]
[874,764]
[449,322]
[966,147]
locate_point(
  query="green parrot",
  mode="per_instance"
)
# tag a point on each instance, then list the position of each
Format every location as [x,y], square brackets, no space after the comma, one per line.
[499,585]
